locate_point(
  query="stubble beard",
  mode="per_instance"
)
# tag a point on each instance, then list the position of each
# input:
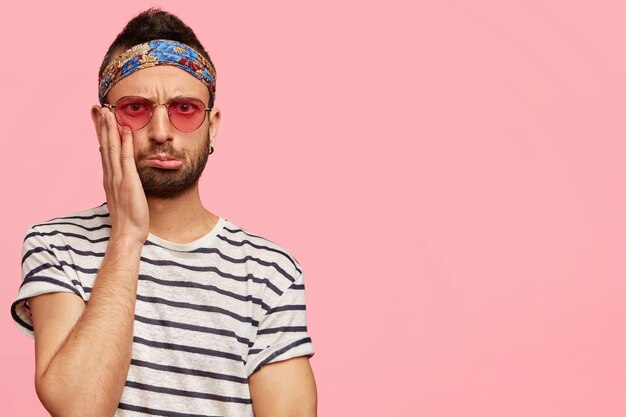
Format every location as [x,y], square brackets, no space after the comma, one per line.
[168,183]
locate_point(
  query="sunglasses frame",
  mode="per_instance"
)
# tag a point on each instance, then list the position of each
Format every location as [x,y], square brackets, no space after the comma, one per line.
[154,105]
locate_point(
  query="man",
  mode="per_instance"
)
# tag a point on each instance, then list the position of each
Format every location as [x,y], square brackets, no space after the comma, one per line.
[150,304]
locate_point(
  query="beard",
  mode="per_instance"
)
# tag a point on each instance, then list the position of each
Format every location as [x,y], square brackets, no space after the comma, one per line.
[168,183]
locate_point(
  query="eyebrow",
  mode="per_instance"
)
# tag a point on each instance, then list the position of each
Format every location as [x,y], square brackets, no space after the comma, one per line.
[168,97]
[167,100]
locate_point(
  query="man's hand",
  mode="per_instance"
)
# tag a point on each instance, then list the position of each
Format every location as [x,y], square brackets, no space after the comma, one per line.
[124,193]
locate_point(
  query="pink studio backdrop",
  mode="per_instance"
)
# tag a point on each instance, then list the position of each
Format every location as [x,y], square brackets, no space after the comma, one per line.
[450,175]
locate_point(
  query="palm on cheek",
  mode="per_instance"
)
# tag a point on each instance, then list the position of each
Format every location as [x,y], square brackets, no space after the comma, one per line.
[124,193]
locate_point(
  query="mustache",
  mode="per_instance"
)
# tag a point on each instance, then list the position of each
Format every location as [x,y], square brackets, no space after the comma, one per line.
[165,148]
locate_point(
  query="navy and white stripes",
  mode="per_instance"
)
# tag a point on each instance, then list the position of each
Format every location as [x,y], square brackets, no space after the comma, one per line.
[208,314]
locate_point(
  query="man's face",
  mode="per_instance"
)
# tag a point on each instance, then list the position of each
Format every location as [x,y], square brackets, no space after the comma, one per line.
[159,140]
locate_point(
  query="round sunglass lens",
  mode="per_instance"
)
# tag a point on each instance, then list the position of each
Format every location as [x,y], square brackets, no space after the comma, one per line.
[134,112]
[186,114]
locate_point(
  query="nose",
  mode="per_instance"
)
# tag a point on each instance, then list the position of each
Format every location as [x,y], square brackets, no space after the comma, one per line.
[160,126]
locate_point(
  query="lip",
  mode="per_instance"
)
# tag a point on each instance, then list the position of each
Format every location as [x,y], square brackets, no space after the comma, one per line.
[162,157]
[164,161]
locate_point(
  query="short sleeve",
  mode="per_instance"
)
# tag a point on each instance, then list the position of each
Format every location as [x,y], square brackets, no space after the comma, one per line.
[42,272]
[282,332]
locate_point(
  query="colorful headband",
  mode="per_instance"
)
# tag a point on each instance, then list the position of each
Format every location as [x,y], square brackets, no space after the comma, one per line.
[153,53]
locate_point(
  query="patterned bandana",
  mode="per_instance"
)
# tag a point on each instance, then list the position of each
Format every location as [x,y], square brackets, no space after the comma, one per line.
[153,53]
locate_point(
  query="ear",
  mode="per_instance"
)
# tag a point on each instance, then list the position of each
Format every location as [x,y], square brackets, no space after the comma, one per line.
[95,116]
[214,123]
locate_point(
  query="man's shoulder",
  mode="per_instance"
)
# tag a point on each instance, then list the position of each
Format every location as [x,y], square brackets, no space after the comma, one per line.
[85,230]
[259,246]
[91,219]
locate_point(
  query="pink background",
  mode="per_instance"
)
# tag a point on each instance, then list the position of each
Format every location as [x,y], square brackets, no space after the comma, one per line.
[450,174]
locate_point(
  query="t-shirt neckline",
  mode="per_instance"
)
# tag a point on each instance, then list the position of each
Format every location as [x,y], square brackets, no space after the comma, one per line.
[198,243]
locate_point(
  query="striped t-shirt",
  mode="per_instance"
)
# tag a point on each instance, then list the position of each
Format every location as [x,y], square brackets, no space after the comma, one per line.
[208,313]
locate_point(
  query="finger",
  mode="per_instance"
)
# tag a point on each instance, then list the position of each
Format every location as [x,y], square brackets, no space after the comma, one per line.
[114,146]
[127,154]
[104,144]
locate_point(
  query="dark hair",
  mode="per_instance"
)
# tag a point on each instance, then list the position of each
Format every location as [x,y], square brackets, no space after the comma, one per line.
[151,24]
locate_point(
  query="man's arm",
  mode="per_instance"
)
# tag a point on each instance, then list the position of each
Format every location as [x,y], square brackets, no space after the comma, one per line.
[83,351]
[284,389]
